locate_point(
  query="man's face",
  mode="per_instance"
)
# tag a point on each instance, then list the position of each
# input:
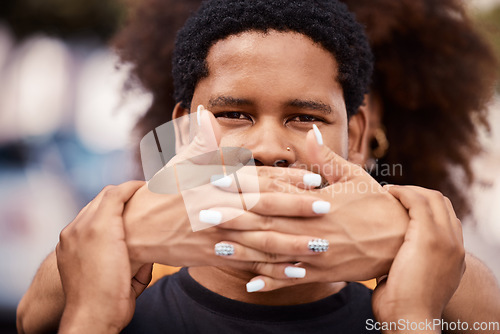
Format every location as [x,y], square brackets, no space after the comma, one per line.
[267,90]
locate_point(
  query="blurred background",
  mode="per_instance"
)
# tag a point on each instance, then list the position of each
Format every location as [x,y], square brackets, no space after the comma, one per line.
[65,124]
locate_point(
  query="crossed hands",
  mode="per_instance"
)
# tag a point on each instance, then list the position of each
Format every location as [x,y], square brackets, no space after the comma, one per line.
[126,228]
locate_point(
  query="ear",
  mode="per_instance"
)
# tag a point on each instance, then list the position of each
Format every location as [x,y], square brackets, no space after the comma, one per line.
[358,134]
[181,127]
[179,111]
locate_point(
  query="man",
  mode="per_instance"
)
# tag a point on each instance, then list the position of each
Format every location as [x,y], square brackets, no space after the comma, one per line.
[265,94]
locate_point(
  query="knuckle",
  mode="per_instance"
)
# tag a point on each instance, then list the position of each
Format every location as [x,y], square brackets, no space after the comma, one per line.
[271,257]
[267,223]
[266,242]
[273,186]
[257,267]
[107,188]
[64,235]
[109,192]
[421,200]
[264,171]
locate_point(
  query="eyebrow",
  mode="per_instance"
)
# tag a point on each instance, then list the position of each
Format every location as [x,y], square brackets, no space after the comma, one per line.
[311,105]
[229,101]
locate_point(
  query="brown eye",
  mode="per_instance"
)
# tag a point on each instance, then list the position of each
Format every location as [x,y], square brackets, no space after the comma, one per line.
[305,119]
[232,115]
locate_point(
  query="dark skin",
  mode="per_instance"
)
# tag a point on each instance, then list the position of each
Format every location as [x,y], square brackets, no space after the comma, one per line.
[245,69]
[262,63]
[283,121]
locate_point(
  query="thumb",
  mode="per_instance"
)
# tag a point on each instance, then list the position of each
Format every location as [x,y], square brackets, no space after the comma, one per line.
[206,140]
[142,279]
[323,160]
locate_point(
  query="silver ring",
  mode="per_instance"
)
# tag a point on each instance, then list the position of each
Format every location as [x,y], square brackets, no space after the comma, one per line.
[223,249]
[318,245]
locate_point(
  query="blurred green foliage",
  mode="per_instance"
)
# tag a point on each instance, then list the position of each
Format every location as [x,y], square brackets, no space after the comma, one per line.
[63,18]
[488,22]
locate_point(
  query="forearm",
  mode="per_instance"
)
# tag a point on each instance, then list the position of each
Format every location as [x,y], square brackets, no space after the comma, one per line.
[77,320]
[41,308]
[477,298]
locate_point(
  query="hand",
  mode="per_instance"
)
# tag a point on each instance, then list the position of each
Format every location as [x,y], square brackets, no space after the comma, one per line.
[429,266]
[94,266]
[159,226]
[365,225]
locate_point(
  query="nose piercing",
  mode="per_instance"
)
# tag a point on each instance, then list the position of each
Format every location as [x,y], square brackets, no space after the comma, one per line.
[288,149]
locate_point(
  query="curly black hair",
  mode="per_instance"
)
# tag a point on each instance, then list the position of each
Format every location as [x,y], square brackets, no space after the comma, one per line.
[434,74]
[326,22]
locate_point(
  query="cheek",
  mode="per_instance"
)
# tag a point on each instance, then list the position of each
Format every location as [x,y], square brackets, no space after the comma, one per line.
[232,138]
[337,142]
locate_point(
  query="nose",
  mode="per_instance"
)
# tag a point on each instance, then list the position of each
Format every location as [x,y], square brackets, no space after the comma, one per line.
[270,147]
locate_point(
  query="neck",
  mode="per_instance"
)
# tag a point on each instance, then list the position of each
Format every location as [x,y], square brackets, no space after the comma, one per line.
[231,283]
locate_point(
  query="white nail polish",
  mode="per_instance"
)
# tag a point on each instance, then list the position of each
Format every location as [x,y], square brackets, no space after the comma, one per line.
[295,272]
[198,114]
[210,216]
[317,133]
[312,180]
[321,207]
[221,181]
[256,285]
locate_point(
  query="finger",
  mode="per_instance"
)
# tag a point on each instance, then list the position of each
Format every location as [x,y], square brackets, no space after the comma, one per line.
[115,197]
[299,177]
[281,205]
[234,251]
[207,138]
[279,243]
[416,204]
[142,279]
[245,182]
[249,221]
[282,271]
[93,205]
[329,164]
[436,202]
[265,283]
[271,276]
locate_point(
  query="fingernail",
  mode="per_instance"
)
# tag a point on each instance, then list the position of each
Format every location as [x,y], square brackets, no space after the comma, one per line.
[321,207]
[210,216]
[256,285]
[312,180]
[198,113]
[318,245]
[295,272]
[223,249]
[317,133]
[221,181]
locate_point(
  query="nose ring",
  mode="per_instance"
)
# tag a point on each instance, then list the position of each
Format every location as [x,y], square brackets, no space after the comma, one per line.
[288,149]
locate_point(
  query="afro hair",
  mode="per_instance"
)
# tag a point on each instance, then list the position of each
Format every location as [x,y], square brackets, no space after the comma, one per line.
[326,22]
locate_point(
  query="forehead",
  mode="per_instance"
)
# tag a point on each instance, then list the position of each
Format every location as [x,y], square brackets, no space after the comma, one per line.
[272,63]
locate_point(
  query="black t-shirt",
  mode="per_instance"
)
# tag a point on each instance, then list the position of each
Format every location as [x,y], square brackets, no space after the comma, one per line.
[179,304]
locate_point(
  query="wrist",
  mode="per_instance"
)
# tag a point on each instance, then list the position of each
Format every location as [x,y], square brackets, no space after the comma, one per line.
[79,319]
